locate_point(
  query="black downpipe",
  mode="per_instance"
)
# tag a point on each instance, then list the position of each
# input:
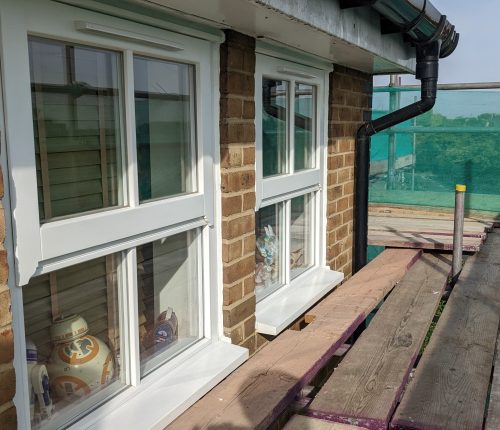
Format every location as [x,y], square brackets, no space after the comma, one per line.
[427,73]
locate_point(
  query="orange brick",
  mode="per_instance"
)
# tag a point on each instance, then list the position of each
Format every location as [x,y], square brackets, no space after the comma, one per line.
[249,201]
[249,285]
[5,308]
[347,216]
[239,311]
[232,251]
[249,109]
[6,345]
[231,205]
[232,294]
[4,267]
[8,419]
[231,107]
[249,156]
[341,233]
[235,58]
[235,333]
[335,162]
[237,181]
[344,175]
[239,270]
[231,156]
[249,326]
[342,204]
[231,229]
[349,188]
[8,385]
[349,159]
[249,244]
[260,341]
[250,344]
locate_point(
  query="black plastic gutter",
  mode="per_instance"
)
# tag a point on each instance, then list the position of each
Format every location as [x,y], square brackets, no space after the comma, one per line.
[419,20]
[434,38]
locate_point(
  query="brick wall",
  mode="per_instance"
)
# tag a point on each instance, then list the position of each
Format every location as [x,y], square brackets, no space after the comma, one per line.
[349,102]
[7,376]
[237,150]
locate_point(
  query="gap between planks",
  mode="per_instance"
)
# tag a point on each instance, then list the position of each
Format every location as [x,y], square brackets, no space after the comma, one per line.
[367,385]
[450,385]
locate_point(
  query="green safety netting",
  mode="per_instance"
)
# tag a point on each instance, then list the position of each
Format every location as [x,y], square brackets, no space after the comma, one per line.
[419,162]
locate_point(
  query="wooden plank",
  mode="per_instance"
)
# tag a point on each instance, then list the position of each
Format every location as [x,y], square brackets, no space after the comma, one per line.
[493,417]
[261,389]
[424,225]
[421,241]
[450,385]
[418,211]
[366,387]
[300,422]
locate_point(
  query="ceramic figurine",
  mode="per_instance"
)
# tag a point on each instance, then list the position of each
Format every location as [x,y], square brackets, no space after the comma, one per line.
[267,246]
[79,363]
[164,332]
[38,385]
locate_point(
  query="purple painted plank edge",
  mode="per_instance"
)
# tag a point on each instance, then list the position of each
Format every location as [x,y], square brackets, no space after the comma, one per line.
[407,425]
[414,260]
[421,245]
[302,382]
[292,393]
[368,423]
[373,423]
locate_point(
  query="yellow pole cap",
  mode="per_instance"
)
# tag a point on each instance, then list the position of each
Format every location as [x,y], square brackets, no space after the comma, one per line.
[461,188]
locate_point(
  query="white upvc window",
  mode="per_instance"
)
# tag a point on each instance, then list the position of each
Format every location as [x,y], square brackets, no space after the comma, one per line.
[291,134]
[110,133]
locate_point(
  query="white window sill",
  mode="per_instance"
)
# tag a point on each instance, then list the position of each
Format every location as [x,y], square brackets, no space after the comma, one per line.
[158,401]
[277,311]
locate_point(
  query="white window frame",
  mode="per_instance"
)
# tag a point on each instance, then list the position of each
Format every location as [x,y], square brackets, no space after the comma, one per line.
[279,308]
[36,249]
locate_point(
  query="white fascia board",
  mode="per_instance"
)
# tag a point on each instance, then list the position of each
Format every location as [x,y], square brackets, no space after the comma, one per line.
[319,28]
[277,311]
[358,27]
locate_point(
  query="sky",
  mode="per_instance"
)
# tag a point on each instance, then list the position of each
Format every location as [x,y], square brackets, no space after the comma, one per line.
[477,57]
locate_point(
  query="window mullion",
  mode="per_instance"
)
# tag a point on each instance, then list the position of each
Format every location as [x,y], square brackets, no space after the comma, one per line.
[286,245]
[131,315]
[131,165]
[22,397]
[291,127]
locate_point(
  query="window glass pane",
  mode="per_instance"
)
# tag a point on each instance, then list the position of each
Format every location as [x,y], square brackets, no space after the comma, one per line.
[76,92]
[301,234]
[165,123]
[73,339]
[274,126]
[305,106]
[168,290]
[269,250]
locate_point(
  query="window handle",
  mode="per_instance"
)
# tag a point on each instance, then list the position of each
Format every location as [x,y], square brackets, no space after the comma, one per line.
[294,72]
[90,27]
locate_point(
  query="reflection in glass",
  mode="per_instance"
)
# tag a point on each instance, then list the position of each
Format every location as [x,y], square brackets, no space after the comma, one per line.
[301,234]
[164,116]
[168,291]
[305,104]
[76,119]
[72,330]
[269,249]
[274,126]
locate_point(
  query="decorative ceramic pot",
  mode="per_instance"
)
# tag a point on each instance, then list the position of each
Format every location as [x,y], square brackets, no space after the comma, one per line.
[79,363]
